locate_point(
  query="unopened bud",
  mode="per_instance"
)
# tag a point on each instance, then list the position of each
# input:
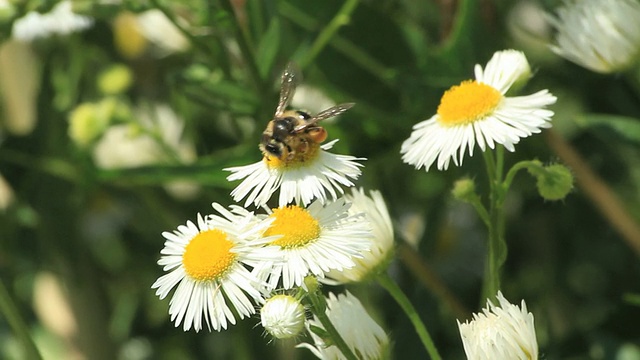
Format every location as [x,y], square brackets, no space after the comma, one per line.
[554,182]
[283,316]
[464,190]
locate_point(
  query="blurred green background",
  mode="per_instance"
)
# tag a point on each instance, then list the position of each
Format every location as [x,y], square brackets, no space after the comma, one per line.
[115,133]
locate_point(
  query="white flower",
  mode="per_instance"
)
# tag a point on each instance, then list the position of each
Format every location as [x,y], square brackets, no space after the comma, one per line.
[362,334]
[600,35]
[375,210]
[59,21]
[160,31]
[505,331]
[478,111]
[312,100]
[282,316]
[313,241]
[206,264]
[20,76]
[6,194]
[156,137]
[318,177]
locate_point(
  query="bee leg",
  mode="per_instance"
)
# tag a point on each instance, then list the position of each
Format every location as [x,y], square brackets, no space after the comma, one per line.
[317,134]
[290,153]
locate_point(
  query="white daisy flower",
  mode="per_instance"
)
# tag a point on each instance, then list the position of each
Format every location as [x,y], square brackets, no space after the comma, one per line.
[505,331]
[319,176]
[478,111]
[377,259]
[283,316]
[600,35]
[61,20]
[313,241]
[206,263]
[366,339]
[155,137]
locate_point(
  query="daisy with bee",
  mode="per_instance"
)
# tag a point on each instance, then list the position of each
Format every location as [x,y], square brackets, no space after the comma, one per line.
[294,158]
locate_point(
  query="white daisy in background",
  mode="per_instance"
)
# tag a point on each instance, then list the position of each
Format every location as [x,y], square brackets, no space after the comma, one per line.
[600,35]
[319,176]
[313,241]
[478,111]
[366,339]
[504,331]
[156,137]
[283,316]
[20,77]
[206,264]
[61,20]
[381,248]
[6,194]
[147,33]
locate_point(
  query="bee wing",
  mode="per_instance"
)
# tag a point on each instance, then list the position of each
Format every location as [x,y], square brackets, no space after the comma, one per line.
[325,114]
[287,88]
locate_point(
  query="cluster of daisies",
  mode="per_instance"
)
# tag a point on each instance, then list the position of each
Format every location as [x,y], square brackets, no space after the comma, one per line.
[232,262]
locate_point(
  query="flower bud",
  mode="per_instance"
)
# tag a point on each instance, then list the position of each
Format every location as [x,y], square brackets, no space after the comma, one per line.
[283,316]
[554,182]
[116,79]
[464,189]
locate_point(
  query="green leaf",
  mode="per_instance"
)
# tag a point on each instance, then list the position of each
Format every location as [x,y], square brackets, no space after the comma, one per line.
[621,127]
[322,333]
[268,48]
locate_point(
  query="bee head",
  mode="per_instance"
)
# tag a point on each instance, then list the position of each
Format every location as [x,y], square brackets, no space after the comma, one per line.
[282,128]
[271,146]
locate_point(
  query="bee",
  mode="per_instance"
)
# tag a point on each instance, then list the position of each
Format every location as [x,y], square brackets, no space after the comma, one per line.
[292,133]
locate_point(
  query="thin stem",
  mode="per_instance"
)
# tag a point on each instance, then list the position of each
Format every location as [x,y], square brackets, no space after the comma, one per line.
[339,20]
[319,305]
[8,308]
[346,47]
[496,247]
[243,42]
[491,166]
[514,170]
[499,162]
[427,276]
[476,202]
[394,290]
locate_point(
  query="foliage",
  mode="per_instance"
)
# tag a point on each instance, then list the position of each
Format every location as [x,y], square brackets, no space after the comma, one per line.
[91,212]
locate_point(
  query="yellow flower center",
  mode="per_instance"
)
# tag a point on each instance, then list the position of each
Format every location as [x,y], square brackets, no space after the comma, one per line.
[466,103]
[306,153]
[208,255]
[296,225]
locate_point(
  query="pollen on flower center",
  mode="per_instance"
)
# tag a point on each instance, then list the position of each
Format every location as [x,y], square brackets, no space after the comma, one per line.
[296,225]
[306,152]
[208,255]
[467,102]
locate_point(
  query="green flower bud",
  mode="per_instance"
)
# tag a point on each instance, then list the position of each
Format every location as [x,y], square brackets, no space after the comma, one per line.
[116,79]
[464,190]
[85,124]
[554,182]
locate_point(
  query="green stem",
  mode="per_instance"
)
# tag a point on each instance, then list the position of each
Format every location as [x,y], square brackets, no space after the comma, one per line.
[517,167]
[344,46]
[386,282]
[319,304]
[480,209]
[496,246]
[8,308]
[242,37]
[339,20]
